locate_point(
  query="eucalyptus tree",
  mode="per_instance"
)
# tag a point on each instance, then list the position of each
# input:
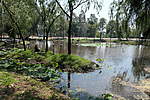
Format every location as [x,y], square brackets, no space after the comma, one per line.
[71,5]
[102,26]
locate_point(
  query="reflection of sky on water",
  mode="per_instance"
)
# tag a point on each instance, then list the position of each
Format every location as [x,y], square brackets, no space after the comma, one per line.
[125,61]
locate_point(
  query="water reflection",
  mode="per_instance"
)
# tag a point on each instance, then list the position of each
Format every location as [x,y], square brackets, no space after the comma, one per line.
[141,61]
[69,79]
[124,61]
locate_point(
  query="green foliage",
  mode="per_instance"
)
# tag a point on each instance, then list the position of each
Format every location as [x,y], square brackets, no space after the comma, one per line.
[22,13]
[42,65]
[6,79]
[107,96]
[71,62]
[111,28]
[18,54]
[139,11]
[92,29]
[101,26]
[100,60]
[17,60]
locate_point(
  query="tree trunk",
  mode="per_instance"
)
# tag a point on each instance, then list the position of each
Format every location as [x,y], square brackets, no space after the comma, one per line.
[100,36]
[46,49]
[70,32]
[44,32]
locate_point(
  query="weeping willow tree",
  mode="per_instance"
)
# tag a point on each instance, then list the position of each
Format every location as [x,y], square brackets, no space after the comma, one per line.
[139,11]
[119,13]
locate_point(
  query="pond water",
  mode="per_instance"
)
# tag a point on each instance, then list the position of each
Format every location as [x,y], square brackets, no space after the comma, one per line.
[124,61]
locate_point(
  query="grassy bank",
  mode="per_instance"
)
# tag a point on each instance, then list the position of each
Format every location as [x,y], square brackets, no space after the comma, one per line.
[23,73]
[129,42]
[41,65]
[18,87]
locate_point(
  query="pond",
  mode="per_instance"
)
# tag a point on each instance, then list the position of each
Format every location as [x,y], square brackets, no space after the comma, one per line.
[124,61]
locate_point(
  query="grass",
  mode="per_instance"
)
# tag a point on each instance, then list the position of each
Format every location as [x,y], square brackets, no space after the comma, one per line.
[126,42]
[26,88]
[21,73]
[86,40]
[72,63]
[146,43]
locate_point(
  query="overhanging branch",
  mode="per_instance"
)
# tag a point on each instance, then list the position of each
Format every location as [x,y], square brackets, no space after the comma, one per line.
[80,3]
[62,8]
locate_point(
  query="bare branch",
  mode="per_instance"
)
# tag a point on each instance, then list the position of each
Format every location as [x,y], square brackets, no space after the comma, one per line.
[80,3]
[62,8]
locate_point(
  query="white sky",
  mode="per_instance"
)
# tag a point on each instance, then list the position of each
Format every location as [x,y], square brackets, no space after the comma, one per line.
[103,13]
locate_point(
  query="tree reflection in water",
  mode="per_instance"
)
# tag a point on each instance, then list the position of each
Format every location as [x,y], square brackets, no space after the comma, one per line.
[141,61]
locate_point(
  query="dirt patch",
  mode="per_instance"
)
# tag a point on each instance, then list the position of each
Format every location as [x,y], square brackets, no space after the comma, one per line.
[26,88]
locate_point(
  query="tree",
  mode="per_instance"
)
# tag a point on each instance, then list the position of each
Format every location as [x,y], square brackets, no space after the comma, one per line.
[71,6]
[126,19]
[101,26]
[14,22]
[116,12]
[111,28]
[17,18]
[82,24]
[48,12]
[139,11]
[61,28]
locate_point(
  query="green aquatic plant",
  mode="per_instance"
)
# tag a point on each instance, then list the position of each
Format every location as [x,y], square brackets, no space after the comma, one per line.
[45,66]
[26,62]
[107,96]
[99,60]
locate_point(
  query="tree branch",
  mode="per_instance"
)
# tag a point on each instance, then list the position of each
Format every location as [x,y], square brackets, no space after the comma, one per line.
[80,3]
[52,23]
[62,8]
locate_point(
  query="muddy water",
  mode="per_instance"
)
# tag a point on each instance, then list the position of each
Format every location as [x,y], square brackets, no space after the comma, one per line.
[124,61]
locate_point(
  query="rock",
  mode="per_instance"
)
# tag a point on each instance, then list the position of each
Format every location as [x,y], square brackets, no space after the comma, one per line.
[147,70]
